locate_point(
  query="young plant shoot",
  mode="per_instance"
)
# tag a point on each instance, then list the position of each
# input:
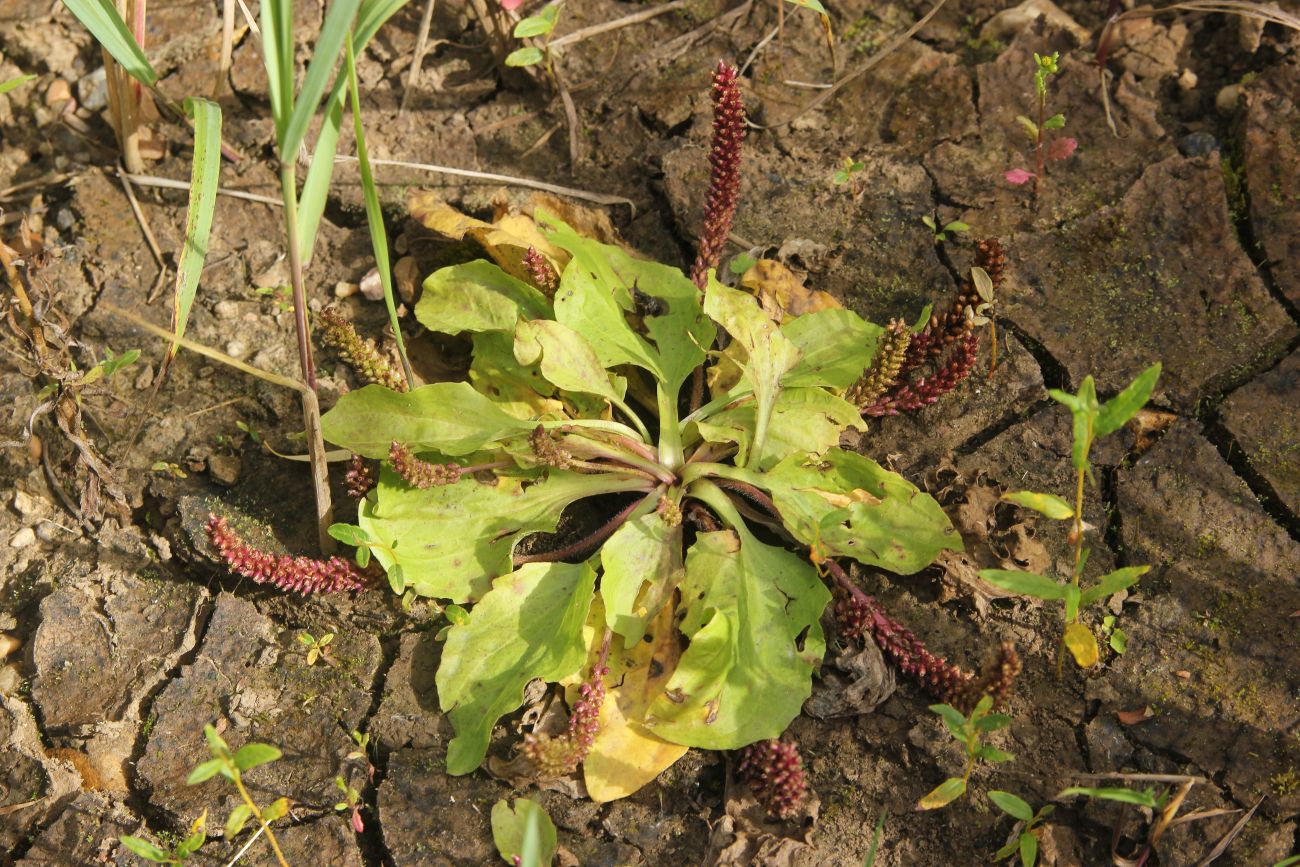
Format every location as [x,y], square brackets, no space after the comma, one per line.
[968,730]
[1045,149]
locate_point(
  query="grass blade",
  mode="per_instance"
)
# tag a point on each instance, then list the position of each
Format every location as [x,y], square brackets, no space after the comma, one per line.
[101,18]
[375,215]
[333,33]
[12,83]
[204,177]
[277,54]
[315,189]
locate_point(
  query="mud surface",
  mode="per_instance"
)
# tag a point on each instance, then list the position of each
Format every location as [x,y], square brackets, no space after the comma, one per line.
[1176,238]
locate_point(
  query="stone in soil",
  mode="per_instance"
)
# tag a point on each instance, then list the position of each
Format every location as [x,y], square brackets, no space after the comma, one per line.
[1271,160]
[328,842]
[85,832]
[251,680]
[1219,603]
[1264,416]
[417,797]
[1158,277]
[408,714]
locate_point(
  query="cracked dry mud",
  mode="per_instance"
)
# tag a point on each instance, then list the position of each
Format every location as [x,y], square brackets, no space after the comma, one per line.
[1177,240]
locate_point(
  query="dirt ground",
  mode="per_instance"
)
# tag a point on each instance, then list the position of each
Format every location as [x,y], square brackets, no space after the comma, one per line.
[1176,238]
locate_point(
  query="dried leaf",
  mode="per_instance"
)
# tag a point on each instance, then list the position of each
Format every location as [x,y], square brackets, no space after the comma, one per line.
[781,294]
[1133,717]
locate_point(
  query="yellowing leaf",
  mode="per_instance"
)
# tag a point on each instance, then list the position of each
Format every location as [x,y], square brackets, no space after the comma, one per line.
[944,794]
[1082,644]
[506,241]
[780,292]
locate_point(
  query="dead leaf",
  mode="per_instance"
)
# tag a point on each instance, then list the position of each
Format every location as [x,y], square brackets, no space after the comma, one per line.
[746,835]
[1183,674]
[961,579]
[1133,717]
[781,294]
[506,241]
[854,681]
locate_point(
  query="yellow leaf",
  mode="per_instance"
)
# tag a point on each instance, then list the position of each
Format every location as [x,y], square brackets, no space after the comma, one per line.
[1082,644]
[625,755]
[506,241]
[781,294]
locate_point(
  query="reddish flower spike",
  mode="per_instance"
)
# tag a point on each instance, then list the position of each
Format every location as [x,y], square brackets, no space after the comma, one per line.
[773,771]
[297,574]
[724,170]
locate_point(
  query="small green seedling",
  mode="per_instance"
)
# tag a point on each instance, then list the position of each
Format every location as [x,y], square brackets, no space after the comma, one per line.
[539,26]
[524,834]
[351,804]
[1091,420]
[849,174]
[1026,843]
[870,860]
[18,81]
[232,766]
[178,853]
[967,730]
[168,468]
[317,648]
[1147,797]
[941,234]
[1057,148]
[1115,637]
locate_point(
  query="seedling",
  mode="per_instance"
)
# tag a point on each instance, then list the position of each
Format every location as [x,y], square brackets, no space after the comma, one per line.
[941,234]
[848,174]
[536,27]
[968,730]
[524,834]
[1091,420]
[1026,842]
[317,648]
[350,804]
[232,766]
[15,82]
[175,855]
[1058,148]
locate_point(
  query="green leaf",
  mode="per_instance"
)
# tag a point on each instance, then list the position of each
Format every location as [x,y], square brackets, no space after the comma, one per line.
[1007,851]
[1082,644]
[1145,798]
[1030,127]
[529,625]
[1012,805]
[1056,121]
[279,807]
[1113,582]
[144,849]
[1116,412]
[954,719]
[944,794]
[529,56]
[1028,850]
[374,214]
[204,771]
[278,56]
[349,534]
[957,226]
[814,5]
[250,756]
[1072,598]
[771,353]
[848,505]
[1084,408]
[993,754]
[752,616]
[237,819]
[510,826]
[1118,641]
[805,421]
[396,578]
[870,860]
[992,722]
[191,844]
[477,296]
[324,56]
[835,348]
[1024,583]
[740,263]
[113,363]
[448,417]
[205,175]
[101,18]
[539,24]
[453,540]
[923,320]
[567,360]
[1047,504]
[19,81]
[641,567]
[519,390]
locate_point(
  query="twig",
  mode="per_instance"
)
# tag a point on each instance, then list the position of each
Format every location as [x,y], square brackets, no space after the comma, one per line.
[421,45]
[744,67]
[148,233]
[227,47]
[626,21]
[1232,834]
[169,184]
[890,47]
[529,183]
[571,116]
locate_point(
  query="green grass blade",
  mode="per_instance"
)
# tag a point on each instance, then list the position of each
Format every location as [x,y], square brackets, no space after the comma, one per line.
[12,83]
[277,54]
[333,33]
[101,18]
[375,215]
[315,189]
[204,177]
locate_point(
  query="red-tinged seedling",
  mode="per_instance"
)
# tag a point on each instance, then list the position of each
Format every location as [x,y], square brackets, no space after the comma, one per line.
[969,730]
[1091,420]
[1046,149]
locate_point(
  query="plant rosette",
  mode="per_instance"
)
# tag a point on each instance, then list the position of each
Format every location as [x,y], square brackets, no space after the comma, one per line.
[689,594]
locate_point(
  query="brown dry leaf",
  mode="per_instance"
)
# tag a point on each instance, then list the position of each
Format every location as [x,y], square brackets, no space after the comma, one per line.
[506,241]
[588,222]
[626,756]
[781,294]
[1133,717]
[854,681]
[1149,424]
[746,835]
[961,579]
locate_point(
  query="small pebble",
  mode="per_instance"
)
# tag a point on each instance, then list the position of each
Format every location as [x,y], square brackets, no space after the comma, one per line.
[344,289]
[226,309]
[371,286]
[92,90]
[224,469]
[24,503]
[8,644]
[48,531]
[64,219]
[1188,80]
[10,680]
[23,538]
[58,93]
[1226,99]
[145,379]
[237,349]
[1198,144]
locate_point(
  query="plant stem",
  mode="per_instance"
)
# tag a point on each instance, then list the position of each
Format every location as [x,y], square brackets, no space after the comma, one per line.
[633,417]
[694,471]
[1038,145]
[670,431]
[310,406]
[257,813]
[593,423]
[596,448]
[588,543]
